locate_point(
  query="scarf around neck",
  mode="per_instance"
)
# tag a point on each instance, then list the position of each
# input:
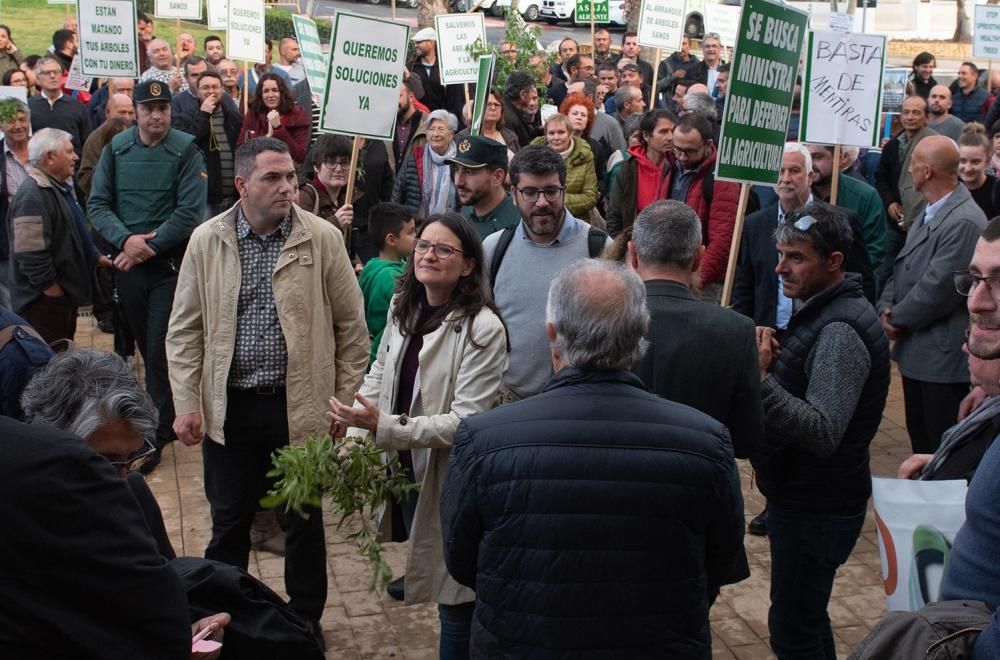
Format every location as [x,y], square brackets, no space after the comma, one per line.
[437,180]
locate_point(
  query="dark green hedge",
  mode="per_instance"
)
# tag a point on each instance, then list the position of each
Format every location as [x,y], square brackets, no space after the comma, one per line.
[277,22]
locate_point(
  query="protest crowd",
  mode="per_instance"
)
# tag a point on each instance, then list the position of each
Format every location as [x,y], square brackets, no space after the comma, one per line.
[533,315]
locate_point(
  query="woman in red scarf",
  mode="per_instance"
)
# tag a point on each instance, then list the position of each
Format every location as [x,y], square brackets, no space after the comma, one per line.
[274,113]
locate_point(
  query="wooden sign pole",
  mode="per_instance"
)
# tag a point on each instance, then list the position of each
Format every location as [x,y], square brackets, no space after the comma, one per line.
[835,180]
[734,248]
[245,92]
[349,194]
[592,29]
[393,9]
[653,96]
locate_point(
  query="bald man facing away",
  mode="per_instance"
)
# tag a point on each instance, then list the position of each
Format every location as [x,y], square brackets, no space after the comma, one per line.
[920,308]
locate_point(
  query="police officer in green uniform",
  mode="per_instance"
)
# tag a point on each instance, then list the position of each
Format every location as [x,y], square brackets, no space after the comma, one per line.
[479,168]
[149,192]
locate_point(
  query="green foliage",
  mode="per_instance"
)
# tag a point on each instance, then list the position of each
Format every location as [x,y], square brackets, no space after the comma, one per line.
[526,39]
[8,110]
[354,477]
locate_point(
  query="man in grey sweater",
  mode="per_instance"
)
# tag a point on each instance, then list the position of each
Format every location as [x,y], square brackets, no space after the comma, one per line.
[823,394]
[523,261]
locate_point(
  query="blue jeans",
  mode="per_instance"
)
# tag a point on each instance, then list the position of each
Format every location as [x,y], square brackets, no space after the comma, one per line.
[456,630]
[806,549]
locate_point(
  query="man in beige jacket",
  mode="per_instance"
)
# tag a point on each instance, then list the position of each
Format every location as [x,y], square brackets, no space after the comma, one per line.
[267,323]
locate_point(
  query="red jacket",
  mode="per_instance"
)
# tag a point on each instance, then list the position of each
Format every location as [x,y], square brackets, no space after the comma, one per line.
[648,176]
[717,222]
[294,131]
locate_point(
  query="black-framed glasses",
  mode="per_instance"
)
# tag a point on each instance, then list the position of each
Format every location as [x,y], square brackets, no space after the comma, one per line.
[441,250]
[334,163]
[690,152]
[552,193]
[966,283]
[136,460]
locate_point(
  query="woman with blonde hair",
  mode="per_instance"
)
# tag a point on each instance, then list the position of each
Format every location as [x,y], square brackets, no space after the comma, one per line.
[581,178]
[974,152]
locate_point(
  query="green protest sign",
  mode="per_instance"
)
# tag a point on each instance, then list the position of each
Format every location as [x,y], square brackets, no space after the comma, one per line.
[367,58]
[486,63]
[761,87]
[582,14]
[312,53]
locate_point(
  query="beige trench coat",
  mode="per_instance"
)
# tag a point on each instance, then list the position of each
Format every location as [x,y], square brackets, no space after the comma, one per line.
[455,380]
[320,309]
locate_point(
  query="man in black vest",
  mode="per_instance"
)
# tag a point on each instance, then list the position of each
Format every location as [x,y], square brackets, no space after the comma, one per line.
[823,394]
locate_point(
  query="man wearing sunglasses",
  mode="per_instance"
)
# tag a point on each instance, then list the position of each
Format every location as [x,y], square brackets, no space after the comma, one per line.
[920,308]
[823,395]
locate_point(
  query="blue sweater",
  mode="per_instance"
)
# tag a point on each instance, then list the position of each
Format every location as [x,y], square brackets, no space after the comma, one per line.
[973,571]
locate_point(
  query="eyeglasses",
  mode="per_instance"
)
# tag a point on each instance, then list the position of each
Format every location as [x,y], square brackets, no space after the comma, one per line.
[136,460]
[805,222]
[530,195]
[50,72]
[335,163]
[966,283]
[495,106]
[690,152]
[441,250]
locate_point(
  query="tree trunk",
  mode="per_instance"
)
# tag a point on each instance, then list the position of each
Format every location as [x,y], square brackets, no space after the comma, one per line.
[427,10]
[963,29]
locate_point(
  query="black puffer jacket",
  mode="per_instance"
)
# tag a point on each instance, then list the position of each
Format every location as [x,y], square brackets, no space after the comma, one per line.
[593,521]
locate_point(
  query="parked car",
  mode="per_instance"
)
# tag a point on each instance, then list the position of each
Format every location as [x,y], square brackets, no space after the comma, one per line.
[554,11]
[528,8]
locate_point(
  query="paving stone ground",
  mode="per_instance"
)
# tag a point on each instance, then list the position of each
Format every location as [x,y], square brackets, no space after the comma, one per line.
[359,624]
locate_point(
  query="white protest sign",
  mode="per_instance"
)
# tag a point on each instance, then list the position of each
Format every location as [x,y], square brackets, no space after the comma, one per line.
[661,24]
[367,57]
[188,9]
[840,22]
[986,32]
[218,14]
[313,60]
[245,31]
[75,79]
[19,93]
[842,90]
[109,46]
[456,33]
[724,20]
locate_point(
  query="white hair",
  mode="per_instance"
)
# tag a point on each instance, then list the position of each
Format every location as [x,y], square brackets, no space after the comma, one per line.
[149,47]
[799,148]
[449,119]
[44,142]
[593,331]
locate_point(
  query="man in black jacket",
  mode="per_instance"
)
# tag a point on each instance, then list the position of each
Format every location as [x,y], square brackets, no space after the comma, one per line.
[215,125]
[602,525]
[823,394]
[699,354]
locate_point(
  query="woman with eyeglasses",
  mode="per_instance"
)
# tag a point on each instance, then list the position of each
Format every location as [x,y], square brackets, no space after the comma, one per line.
[440,360]
[581,178]
[493,126]
[324,194]
[273,112]
[424,180]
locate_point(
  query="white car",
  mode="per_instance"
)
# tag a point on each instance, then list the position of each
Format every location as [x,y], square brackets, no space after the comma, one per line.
[553,11]
[528,8]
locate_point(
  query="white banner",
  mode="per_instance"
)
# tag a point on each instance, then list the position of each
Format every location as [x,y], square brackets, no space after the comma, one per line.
[725,20]
[75,79]
[109,46]
[19,93]
[916,522]
[218,14]
[456,33]
[661,24]
[245,31]
[842,90]
[986,32]
[187,9]
[367,57]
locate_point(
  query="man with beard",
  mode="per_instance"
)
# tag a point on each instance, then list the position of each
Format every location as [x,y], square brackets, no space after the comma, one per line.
[215,52]
[853,194]
[941,119]
[149,192]
[971,574]
[479,168]
[520,106]
[920,308]
[408,121]
[425,66]
[523,260]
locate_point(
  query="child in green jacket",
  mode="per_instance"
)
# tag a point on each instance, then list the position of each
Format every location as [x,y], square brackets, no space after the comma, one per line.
[393,230]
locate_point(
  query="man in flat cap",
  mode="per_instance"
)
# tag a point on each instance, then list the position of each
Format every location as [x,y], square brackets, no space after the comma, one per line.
[479,168]
[149,193]
[427,68]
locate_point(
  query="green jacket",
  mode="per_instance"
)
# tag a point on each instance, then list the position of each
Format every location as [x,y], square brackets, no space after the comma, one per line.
[505,215]
[138,189]
[864,200]
[581,178]
[378,281]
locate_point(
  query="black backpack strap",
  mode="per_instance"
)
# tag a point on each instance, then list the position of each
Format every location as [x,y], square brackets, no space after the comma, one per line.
[708,187]
[505,238]
[596,240]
